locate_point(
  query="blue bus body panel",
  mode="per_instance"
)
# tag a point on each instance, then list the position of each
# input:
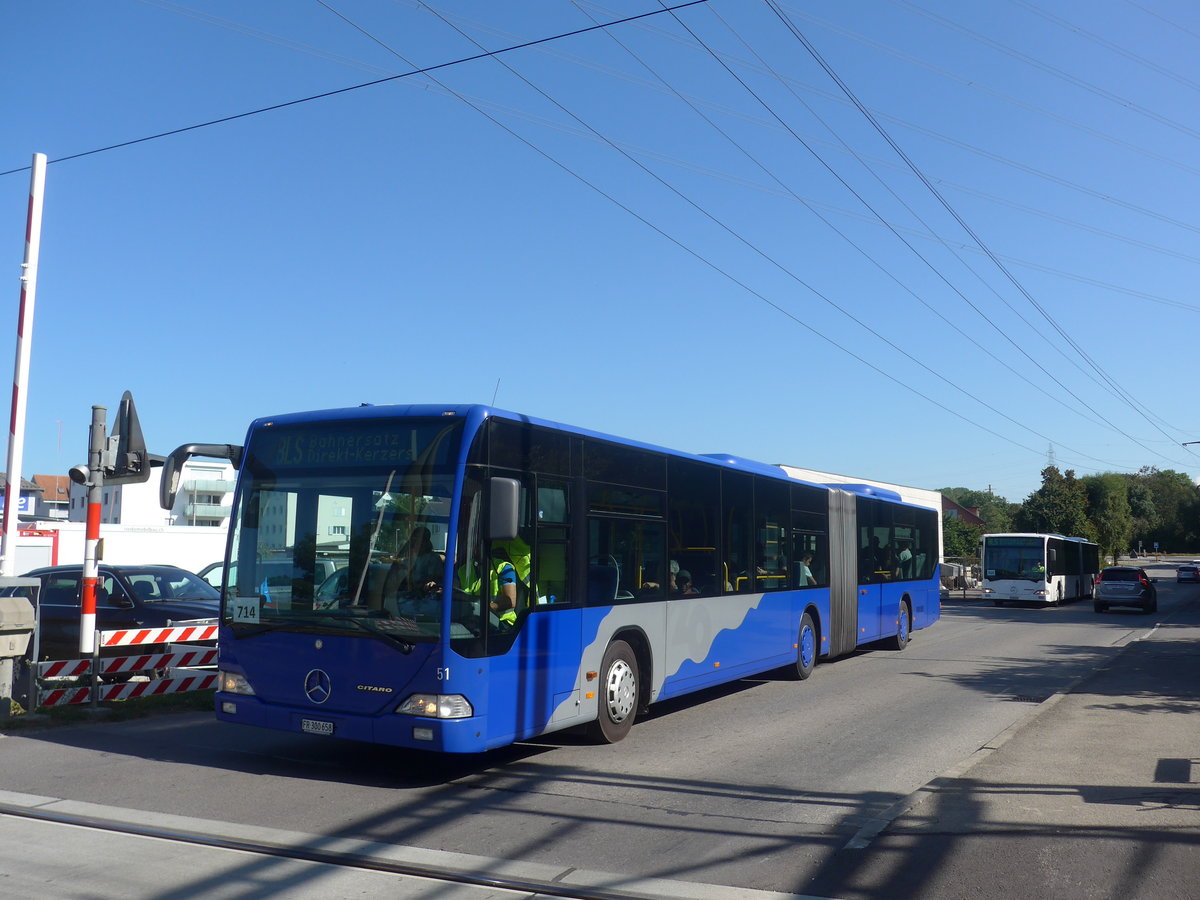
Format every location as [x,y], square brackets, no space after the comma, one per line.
[377,674]
[539,674]
[541,683]
[717,639]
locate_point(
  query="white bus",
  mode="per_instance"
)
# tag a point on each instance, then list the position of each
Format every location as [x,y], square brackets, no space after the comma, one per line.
[1037,568]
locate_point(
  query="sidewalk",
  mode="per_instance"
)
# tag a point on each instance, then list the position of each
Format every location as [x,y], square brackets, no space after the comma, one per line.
[1095,794]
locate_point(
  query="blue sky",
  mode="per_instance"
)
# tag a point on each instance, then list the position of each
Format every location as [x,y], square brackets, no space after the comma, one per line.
[679,229]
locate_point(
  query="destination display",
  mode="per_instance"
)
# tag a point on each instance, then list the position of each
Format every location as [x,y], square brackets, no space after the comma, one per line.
[375,443]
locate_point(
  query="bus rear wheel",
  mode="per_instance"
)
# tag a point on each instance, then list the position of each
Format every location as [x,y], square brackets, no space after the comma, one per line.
[806,650]
[618,694]
[903,627]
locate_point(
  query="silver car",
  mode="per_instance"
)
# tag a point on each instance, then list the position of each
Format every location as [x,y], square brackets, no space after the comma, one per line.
[1125,586]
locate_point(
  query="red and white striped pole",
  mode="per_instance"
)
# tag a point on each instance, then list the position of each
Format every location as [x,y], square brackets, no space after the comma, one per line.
[91,571]
[16,429]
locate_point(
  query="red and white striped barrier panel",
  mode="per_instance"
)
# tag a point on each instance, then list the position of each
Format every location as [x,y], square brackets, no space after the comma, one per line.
[64,668]
[64,696]
[177,659]
[157,635]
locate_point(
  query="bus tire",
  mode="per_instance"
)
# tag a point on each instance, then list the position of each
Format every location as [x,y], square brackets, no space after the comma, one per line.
[903,627]
[618,694]
[806,650]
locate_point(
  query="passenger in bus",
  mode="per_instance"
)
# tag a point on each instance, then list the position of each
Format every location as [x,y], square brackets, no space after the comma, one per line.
[683,584]
[651,584]
[804,575]
[888,565]
[869,559]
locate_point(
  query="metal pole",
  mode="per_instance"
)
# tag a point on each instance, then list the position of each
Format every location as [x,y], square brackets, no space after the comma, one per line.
[95,486]
[95,492]
[16,429]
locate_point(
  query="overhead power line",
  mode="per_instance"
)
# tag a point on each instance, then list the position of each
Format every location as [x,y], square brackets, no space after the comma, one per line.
[366,84]
[1118,391]
[700,257]
[696,102]
[1088,86]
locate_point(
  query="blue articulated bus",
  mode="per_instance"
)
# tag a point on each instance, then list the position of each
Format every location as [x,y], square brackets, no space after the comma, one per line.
[500,577]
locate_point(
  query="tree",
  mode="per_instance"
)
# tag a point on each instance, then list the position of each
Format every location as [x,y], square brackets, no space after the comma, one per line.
[1176,503]
[996,512]
[959,538]
[1059,506]
[1142,508]
[1108,508]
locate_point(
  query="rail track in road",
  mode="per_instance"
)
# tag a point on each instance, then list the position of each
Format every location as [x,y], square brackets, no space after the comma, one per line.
[478,877]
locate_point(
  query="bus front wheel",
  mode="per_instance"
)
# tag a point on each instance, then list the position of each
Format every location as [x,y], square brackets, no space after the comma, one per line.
[619,693]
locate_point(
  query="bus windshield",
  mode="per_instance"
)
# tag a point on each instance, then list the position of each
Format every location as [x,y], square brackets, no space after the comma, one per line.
[342,527]
[1014,557]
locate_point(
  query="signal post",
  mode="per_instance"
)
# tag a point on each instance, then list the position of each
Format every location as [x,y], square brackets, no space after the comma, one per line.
[117,459]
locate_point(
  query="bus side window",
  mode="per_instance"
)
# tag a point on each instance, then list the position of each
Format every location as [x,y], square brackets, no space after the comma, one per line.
[737,508]
[552,550]
[695,499]
[633,550]
[810,525]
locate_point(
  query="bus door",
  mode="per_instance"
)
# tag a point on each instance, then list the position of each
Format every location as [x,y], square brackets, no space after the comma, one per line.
[873,544]
[535,655]
[870,608]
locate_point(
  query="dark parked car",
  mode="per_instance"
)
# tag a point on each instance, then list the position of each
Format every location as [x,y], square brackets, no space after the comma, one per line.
[278,572]
[1125,586]
[1187,573]
[126,597]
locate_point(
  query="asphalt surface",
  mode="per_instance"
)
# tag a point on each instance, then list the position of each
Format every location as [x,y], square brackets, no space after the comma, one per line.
[1095,793]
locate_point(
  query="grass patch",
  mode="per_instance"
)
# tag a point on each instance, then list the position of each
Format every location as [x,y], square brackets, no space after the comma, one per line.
[114,711]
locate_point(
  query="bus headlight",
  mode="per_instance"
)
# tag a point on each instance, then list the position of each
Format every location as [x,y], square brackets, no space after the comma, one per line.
[436,706]
[233,683]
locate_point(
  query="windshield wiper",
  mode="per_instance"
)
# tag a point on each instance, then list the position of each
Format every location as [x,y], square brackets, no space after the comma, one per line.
[325,623]
[370,627]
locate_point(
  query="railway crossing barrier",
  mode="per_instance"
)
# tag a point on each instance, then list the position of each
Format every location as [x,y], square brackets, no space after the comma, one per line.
[180,669]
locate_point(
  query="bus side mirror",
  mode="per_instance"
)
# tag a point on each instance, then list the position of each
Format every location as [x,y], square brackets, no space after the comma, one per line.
[168,487]
[504,507]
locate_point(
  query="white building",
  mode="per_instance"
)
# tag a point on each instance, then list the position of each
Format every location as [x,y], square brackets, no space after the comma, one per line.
[204,500]
[53,502]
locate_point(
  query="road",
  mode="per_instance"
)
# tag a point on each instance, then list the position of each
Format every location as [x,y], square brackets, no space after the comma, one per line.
[755,785]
